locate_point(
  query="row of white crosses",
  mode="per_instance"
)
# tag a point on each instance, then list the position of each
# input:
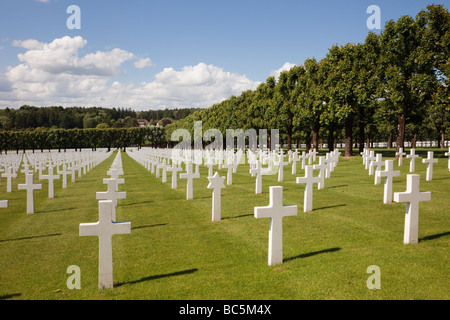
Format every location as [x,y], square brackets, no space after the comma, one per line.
[41,161]
[107,226]
[412,196]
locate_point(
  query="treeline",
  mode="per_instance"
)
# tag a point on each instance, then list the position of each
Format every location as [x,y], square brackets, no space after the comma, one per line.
[62,139]
[394,86]
[30,117]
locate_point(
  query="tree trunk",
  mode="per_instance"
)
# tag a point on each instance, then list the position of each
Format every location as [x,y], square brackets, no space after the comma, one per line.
[414,141]
[349,136]
[401,131]
[308,141]
[443,139]
[330,139]
[390,140]
[315,136]
[361,135]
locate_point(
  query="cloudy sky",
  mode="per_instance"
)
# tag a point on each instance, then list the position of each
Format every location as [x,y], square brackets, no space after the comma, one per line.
[160,54]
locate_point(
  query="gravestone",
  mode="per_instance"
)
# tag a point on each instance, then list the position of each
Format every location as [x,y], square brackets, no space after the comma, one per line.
[50,177]
[111,194]
[295,158]
[64,173]
[4,203]
[229,167]
[412,196]
[189,176]
[308,180]
[30,186]
[412,156]
[174,169]
[388,175]
[216,183]
[430,161]
[281,163]
[9,175]
[400,155]
[104,229]
[275,211]
[322,166]
[258,172]
[375,166]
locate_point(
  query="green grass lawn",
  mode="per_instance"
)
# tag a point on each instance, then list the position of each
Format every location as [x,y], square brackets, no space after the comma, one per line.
[175,251]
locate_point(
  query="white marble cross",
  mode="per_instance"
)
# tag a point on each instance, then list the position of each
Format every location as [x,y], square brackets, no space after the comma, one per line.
[229,167]
[447,154]
[30,186]
[412,155]
[369,158]
[275,211]
[281,163]
[9,174]
[308,180]
[216,183]
[322,166]
[400,155]
[104,229]
[375,166]
[189,176]
[412,196]
[50,177]
[388,175]
[430,161]
[174,169]
[303,157]
[64,173]
[258,172]
[112,194]
[294,160]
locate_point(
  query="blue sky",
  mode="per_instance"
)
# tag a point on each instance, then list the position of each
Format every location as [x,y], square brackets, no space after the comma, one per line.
[155,54]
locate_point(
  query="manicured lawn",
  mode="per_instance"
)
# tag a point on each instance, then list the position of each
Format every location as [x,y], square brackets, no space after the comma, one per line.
[175,251]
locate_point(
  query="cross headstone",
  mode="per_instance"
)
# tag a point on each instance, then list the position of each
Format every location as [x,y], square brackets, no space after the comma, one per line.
[216,183]
[388,175]
[229,168]
[295,158]
[189,176]
[112,192]
[369,158]
[430,161]
[308,180]
[275,211]
[322,166]
[400,155]
[303,157]
[174,169]
[64,173]
[30,186]
[104,229]
[412,155]
[9,175]
[281,163]
[412,196]
[50,177]
[258,172]
[375,166]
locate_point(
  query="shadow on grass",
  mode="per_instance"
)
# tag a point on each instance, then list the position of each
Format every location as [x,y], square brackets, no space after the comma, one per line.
[434,236]
[235,217]
[32,237]
[149,226]
[310,254]
[158,276]
[9,296]
[329,207]
[338,186]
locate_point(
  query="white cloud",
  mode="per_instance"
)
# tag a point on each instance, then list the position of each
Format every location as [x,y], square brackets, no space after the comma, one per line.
[142,63]
[276,73]
[56,74]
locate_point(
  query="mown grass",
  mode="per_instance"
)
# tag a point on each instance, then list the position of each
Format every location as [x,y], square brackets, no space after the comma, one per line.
[175,251]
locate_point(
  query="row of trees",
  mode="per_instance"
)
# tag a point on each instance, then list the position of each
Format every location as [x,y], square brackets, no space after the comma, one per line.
[27,117]
[393,85]
[77,139]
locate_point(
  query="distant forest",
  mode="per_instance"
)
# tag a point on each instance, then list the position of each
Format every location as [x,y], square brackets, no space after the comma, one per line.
[30,117]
